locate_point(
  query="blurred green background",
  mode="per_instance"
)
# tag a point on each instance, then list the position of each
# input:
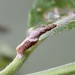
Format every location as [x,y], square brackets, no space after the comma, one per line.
[57,50]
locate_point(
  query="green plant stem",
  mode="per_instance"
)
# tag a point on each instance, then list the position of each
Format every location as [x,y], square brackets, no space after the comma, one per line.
[14,66]
[18,62]
[61,70]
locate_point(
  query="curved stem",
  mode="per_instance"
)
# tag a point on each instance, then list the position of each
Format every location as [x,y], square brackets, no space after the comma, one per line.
[67,69]
[14,65]
[18,62]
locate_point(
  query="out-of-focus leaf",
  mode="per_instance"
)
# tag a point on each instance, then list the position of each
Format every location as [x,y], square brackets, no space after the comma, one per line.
[4,61]
[72,2]
[36,15]
[65,3]
[39,12]
[6,55]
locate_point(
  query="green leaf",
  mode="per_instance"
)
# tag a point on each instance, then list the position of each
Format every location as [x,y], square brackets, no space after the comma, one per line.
[65,3]
[36,15]
[44,9]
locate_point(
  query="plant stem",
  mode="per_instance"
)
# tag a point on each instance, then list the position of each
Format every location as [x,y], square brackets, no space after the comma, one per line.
[14,66]
[18,62]
[67,69]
